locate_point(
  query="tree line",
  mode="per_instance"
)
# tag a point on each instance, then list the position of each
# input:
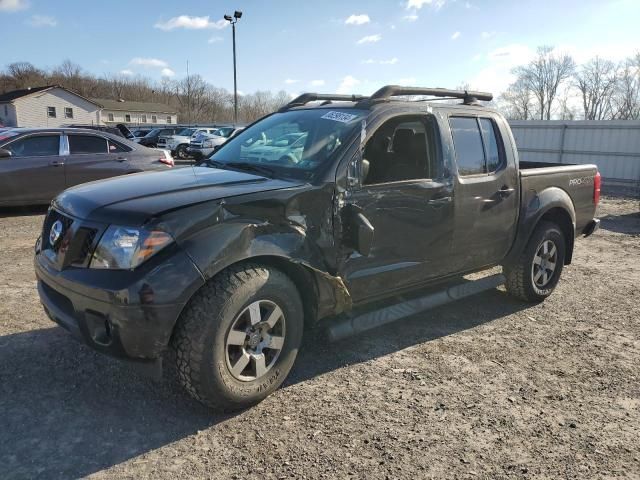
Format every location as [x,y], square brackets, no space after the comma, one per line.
[552,85]
[195,100]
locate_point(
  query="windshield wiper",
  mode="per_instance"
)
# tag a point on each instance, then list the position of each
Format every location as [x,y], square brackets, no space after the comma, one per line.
[249,167]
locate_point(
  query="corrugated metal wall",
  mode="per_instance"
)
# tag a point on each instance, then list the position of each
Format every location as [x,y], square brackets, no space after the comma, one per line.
[613,145]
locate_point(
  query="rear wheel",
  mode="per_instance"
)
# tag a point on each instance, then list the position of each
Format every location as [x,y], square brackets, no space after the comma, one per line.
[238,338]
[536,273]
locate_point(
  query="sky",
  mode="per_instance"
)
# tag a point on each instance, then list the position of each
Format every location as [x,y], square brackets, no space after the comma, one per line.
[321,46]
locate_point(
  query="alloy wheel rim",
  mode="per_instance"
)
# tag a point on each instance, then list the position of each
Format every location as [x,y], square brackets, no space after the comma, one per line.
[255,340]
[544,263]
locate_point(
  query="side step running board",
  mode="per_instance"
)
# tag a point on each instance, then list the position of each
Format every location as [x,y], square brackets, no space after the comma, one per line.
[361,323]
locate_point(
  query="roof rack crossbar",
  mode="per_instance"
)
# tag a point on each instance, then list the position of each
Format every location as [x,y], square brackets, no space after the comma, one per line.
[312,97]
[385,93]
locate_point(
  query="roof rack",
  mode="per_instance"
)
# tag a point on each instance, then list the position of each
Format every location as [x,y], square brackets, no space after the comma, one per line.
[469,97]
[312,97]
[386,93]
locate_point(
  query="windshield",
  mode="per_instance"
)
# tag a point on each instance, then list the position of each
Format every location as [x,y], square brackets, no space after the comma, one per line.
[186,132]
[295,143]
[153,132]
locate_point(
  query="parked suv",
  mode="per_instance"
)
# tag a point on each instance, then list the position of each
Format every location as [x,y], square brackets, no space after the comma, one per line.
[177,144]
[151,138]
[204,144]
[38,163]
[388,205]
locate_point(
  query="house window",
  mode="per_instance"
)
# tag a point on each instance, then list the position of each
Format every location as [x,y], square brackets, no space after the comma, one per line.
[127,117]
[168,118]
[154,119]
[68,112]
[51,112]
[143,119]
[110,117]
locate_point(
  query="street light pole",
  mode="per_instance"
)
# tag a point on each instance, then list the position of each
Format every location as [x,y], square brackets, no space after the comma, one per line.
[233,20]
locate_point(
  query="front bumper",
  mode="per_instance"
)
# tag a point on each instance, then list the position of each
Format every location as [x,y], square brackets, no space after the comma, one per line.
[127,314]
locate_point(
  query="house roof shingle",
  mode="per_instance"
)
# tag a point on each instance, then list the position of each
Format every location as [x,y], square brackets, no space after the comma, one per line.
[15,94]
[127,106]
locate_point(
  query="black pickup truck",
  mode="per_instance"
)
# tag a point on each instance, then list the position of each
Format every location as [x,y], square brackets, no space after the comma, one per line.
[350,211]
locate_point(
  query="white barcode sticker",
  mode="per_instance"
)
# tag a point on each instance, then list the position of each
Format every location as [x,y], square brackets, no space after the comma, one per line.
[339,117]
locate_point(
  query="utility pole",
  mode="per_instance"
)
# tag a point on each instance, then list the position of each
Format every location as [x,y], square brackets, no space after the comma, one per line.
[233,20]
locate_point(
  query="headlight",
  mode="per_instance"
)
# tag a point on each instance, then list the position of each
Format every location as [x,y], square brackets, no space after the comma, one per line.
[207,144]
[124,248]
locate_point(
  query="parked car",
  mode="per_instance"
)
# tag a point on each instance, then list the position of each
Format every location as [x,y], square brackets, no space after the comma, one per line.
[177,144]
[140,133]
[151,138]
[390,203]
[38,163]
[204,144]
[120,129]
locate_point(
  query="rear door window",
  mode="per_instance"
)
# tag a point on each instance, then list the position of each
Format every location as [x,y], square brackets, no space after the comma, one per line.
[490,144]
[115,147]
[36,146]
[85,144]
[468,145]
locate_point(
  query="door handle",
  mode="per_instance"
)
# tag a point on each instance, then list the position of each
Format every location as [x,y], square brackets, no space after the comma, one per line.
[121,159]
[56,163]
[505,191]
[440,200]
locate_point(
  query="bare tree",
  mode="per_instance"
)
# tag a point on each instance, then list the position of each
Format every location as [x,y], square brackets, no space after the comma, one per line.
[596,82]
[626,99]
[544,75]
[517,101]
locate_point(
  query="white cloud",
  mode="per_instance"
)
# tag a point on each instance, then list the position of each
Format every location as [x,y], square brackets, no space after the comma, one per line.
[190,23]
[347,84]
[486,35]
[412,17]
[291,81]
[371,61]
[496,76]
[418,4]
[407,81]
[126,72]
[215,39]
[370,39]
[149,62]
[316,83]
[13,5]
[357,19]
[167,72]
[42,21]
[455,36]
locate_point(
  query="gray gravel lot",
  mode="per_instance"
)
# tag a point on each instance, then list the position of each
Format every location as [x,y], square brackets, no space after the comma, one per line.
[486,388]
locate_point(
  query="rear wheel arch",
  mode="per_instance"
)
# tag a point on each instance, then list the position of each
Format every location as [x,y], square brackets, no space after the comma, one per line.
[562,218]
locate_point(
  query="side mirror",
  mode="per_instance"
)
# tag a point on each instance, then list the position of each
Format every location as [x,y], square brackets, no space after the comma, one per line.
[4,153]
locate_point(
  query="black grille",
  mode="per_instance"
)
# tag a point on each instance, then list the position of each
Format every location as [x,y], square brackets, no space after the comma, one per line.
[83,247]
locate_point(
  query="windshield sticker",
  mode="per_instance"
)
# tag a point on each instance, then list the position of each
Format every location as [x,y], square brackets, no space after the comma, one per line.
[339,117]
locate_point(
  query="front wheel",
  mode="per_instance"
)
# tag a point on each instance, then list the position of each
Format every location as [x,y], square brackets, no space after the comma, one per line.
[238,338]
[181,152]
[535,274]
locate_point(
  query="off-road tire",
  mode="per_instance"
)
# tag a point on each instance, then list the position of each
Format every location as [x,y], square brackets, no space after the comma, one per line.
[519,275]
[199,340]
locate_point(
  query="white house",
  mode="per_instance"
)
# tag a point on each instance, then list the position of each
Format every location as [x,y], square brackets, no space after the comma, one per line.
[50,106]
[55,106]
[135,113]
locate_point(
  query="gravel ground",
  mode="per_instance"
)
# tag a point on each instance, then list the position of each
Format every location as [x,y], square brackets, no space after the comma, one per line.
[485,388]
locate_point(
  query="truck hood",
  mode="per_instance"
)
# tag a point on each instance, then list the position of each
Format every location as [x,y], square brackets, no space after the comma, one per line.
[133,199]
